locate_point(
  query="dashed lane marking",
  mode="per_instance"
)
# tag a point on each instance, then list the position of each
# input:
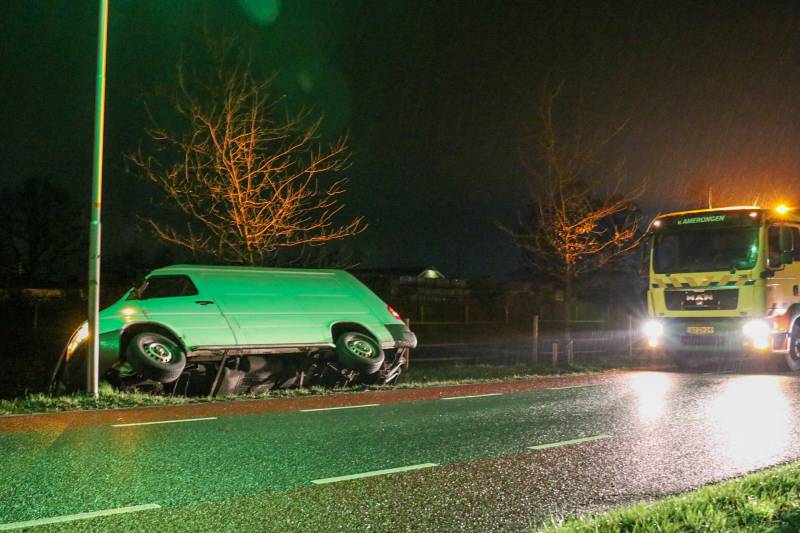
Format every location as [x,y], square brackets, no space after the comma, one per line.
[686,421]
[162,422]
[373,473]
[568,442]
[79,516]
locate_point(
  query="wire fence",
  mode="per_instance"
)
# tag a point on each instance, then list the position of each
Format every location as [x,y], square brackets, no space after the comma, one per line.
[538,342]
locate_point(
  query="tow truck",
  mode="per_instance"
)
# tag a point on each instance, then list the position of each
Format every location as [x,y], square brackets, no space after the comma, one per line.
[725,281]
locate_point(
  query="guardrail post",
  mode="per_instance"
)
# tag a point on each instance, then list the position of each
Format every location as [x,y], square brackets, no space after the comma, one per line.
[555,354]
[535,341]
[630,336]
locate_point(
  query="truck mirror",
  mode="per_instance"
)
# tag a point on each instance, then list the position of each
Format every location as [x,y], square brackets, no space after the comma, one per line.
[644,254]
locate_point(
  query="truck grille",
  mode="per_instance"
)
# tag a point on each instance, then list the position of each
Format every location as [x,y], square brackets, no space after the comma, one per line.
[716,299]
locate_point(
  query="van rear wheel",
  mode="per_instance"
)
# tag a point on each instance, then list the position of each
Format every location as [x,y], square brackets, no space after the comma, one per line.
[356,351]
[156,357]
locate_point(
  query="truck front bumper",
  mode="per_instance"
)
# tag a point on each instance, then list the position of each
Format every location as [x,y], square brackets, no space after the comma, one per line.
[720,335]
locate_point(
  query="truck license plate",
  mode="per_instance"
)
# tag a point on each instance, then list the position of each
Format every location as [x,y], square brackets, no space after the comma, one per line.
[700,330]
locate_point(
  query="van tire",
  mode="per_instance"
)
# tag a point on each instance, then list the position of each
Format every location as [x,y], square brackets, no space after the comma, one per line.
[359,352]
[793,355]
[156,357]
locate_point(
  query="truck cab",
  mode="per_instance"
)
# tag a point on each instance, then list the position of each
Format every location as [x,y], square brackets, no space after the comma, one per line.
[725,282]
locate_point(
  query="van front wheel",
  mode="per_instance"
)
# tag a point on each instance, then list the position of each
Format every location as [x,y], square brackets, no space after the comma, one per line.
[156,357]
[356,351]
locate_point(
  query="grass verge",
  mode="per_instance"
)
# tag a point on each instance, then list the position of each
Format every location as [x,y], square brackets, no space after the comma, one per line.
[415,377]
[767,501]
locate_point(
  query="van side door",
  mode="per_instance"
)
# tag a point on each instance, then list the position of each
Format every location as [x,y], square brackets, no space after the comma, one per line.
[174,301]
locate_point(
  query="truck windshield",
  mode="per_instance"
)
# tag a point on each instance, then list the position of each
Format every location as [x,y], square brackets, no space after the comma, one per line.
[706,250]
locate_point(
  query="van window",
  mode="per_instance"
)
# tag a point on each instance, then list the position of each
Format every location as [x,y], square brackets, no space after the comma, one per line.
[168,286]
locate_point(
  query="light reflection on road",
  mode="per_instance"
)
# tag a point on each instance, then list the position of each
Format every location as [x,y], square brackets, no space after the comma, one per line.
[651,389]
[750,422]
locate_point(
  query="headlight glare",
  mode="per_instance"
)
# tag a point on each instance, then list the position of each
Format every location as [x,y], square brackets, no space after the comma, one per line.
[653,329]
[757,329]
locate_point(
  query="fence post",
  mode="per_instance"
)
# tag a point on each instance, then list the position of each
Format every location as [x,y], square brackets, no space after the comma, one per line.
[630,336]
[535,345]
[408,350]
[570,352]
[555,354]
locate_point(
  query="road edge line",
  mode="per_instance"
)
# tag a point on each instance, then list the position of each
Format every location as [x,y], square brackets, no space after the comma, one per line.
[163,422]
[340,407]
[472,396]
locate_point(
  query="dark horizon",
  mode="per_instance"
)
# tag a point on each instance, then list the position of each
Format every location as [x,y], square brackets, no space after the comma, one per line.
[439,101]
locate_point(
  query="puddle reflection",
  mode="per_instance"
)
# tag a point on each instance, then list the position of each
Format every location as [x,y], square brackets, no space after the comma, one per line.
[751,420]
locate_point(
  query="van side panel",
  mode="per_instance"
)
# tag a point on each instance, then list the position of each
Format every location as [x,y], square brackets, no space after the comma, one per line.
[277,307]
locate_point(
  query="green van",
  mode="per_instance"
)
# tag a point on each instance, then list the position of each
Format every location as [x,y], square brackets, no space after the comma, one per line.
[228,330]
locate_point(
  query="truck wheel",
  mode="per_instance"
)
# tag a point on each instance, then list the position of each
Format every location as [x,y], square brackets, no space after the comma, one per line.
[356,351]
[156,357]
[793,355]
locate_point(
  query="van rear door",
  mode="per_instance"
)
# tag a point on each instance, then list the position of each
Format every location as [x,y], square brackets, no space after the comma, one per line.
[173,300]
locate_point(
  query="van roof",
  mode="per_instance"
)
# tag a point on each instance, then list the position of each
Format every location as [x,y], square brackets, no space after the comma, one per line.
[217,269]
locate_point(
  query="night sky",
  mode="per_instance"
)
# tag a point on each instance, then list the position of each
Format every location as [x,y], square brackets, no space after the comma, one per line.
[439,99]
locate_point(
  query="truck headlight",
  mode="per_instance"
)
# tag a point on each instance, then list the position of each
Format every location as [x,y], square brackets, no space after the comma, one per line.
[758,333]
[77,338]
[653,330]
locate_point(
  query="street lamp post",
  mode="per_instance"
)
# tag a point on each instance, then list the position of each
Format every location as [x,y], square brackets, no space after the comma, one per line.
[93,355]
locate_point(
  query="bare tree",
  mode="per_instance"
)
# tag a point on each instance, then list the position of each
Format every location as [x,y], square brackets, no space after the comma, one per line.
[253,179]
[579,220]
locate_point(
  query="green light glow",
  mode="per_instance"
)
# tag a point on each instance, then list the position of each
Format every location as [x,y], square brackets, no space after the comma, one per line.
[263,12]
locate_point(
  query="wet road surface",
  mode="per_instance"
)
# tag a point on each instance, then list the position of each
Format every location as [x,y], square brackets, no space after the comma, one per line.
[491,461]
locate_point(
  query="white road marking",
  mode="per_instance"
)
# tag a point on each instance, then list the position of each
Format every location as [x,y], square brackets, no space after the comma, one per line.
[472,396]
[373,473]
[162,422]
[568,442]
[79,516]
[574,387]
[342,407]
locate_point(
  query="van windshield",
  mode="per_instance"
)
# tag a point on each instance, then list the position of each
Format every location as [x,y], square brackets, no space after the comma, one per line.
[706,249]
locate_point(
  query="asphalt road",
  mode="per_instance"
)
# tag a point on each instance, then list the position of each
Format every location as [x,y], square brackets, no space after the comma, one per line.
[492,462]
